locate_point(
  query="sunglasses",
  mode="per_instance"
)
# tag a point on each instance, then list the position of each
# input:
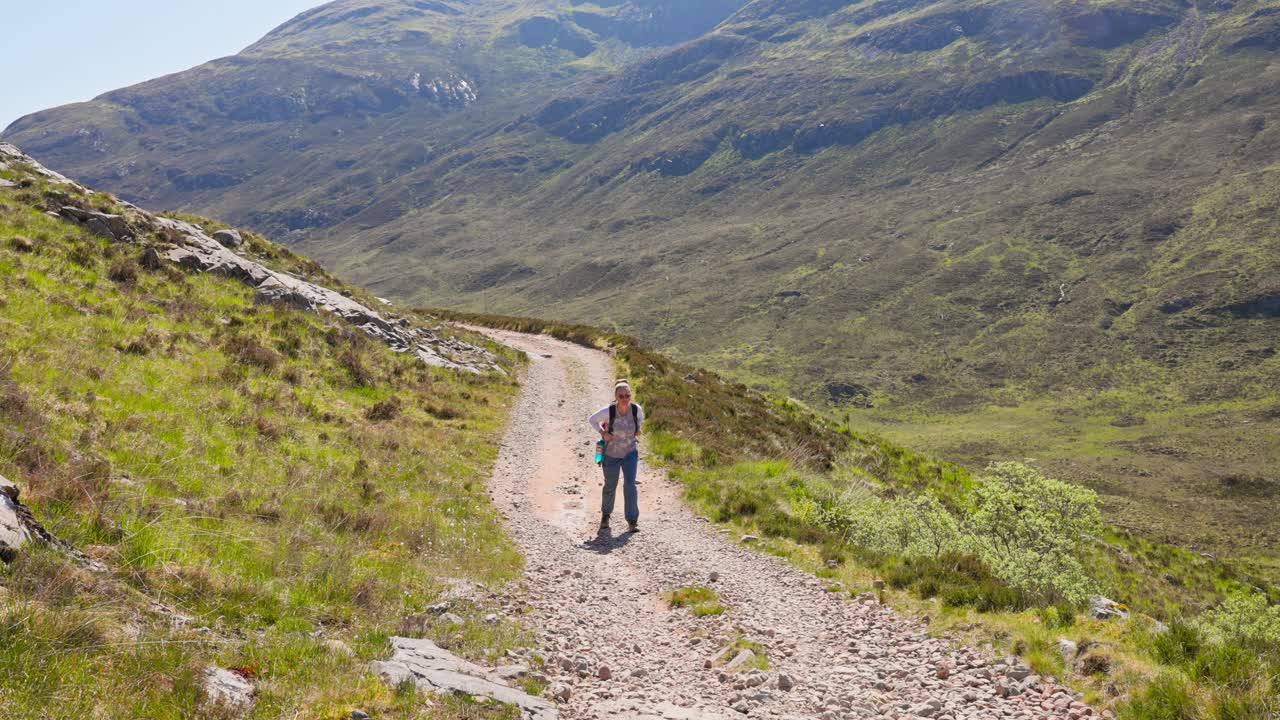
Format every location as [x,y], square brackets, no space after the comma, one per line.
[624,395]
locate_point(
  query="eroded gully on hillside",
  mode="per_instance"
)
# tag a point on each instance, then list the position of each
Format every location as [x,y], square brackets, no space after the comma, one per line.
[616,650]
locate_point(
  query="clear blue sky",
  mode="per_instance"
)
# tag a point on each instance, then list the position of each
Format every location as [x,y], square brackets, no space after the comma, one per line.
[62,51]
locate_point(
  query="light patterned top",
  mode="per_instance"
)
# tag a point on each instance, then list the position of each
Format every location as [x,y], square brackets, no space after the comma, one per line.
[624,429]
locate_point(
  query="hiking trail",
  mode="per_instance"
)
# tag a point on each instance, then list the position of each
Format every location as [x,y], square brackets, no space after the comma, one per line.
[615,650]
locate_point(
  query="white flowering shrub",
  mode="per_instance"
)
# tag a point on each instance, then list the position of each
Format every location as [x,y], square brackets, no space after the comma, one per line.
[1244,619]
[1030,529]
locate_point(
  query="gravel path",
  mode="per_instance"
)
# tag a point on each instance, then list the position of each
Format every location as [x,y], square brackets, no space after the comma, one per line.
[615,650]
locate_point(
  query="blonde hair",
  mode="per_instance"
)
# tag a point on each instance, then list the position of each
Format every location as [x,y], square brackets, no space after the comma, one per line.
[622,384]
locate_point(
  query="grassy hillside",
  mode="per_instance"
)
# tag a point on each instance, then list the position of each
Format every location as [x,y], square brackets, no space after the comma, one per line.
[269,490]
[1004,556]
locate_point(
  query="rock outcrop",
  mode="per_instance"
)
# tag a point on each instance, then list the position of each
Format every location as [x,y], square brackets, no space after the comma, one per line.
[227,692]
[19,528]
[435,670]
[15,521]
[191,247]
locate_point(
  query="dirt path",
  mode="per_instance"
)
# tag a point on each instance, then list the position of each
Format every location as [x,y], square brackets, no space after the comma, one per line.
[617,651]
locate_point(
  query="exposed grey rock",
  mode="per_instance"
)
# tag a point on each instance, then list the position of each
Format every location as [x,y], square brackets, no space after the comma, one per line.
[13,156]
[452,619]
[1068,649]
[359,715]
[511,673]
[1018,672]
[436,670]
[227,690]
[19,527]
[113,227]
[14,526]
[1105,608]
[203,254]
[742,658]
[7,184]
[229,238]
[785,682]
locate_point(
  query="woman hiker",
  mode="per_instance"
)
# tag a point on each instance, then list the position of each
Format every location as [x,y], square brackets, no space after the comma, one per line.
[618,425]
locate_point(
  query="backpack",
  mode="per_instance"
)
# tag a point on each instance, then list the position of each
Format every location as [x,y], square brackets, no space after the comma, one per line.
[613,413]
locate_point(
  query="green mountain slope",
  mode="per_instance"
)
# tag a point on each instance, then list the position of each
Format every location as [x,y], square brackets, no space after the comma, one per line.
[990,228]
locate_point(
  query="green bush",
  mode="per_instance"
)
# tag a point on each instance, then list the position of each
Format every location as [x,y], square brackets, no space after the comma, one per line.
[1179,645]
[1235,707]
[960,596]
[927,587]
[1167,698]
[993,597]
[1246,619]
[1226,665]
[1056,617]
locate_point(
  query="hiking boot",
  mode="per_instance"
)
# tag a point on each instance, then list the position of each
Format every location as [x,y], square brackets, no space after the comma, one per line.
[604,522]
[633,527]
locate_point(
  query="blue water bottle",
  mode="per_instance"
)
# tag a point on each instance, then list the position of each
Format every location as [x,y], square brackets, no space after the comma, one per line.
[599,452]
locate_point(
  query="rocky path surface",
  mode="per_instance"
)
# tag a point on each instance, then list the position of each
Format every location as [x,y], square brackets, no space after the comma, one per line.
[614,648]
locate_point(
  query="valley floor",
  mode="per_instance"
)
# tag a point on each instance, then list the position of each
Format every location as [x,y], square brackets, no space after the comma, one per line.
[616,647]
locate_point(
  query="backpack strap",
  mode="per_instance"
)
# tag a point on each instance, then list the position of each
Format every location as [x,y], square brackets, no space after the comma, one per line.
[635,414]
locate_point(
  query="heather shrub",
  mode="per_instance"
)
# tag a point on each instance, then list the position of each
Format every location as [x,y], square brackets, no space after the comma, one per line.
[1027,528]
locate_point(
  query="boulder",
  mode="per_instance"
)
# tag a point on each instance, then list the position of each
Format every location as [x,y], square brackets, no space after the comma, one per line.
[1103,608]
[112,227]
[229,238]
[14,529]
[435,670]
[227,691]
[1068,649]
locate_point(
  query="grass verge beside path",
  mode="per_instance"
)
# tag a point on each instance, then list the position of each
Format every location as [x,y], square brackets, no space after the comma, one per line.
[856,509]
[272,492]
